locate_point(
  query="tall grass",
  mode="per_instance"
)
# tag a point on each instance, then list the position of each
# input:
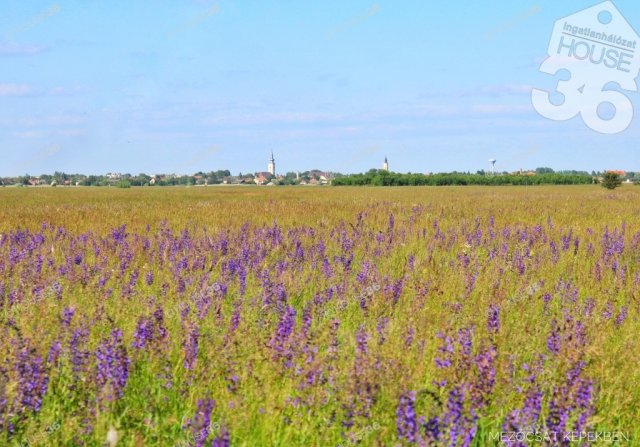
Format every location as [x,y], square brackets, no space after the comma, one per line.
[319,316]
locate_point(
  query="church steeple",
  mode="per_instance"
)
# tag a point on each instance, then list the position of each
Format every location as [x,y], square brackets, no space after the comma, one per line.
[271,167]
[385,166]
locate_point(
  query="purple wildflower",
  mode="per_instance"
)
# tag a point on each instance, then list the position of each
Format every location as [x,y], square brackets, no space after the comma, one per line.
[453,418]
[280,341]
[112,366]
[446,352]
[67,315]
[486,377]
[382,324]
[235,317]
[223,440]
[553,341]
[33,379]
[608,311]
[493,322]
[190,346]
[143,333]
[79,355]
[54,352]
[622,316]
[406,417]
[200,423]
[361,340]
[408,340]
[525,419]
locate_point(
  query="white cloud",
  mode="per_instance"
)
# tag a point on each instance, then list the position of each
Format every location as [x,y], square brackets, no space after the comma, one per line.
[15,90]
[230,118]
[27,90]
[10,49]
[72,132]
[68,91]
[29,134]
[500,90]
[500,109]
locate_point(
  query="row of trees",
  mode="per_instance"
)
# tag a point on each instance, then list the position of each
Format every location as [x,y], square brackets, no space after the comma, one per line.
[57,177]
[124,180]
[383,178]
[199,178]
[374,177]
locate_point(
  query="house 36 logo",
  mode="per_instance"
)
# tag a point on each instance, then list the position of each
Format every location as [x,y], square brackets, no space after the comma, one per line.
[594,52]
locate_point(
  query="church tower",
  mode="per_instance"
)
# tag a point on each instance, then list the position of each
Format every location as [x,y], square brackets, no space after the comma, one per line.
[385,165]
[272,165]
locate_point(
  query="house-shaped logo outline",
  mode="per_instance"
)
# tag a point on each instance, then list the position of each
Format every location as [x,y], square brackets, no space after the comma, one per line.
[588,18]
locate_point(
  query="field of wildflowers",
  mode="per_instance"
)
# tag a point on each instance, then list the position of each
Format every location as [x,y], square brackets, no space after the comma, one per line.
[319,317]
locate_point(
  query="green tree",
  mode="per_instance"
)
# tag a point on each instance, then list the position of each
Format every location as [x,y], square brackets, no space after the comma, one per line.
[611,180]
[123,184]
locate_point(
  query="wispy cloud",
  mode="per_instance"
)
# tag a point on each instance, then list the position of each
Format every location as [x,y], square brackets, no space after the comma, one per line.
[10,49]
[72,132]
[33,121]
[289,117]
[439,111]
[15,90]
[67,91]
[332,78]
[500,90]
[24,90]
[500,109]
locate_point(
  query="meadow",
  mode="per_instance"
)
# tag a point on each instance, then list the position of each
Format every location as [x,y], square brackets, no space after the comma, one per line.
[292,316]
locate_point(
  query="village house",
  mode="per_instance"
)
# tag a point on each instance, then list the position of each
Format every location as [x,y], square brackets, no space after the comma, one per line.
[262,178]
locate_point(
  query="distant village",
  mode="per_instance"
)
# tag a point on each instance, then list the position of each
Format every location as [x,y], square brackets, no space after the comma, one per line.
[270,177]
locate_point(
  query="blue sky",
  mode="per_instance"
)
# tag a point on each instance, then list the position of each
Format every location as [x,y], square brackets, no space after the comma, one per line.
[180,86]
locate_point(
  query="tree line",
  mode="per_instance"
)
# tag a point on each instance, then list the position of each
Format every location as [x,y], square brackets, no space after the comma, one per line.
[383,178]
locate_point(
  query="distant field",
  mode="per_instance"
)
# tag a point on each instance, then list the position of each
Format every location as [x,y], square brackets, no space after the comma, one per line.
[84,208]
[318,316]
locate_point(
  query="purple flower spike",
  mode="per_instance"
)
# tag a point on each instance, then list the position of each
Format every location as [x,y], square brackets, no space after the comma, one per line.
[112,366]
[406,417]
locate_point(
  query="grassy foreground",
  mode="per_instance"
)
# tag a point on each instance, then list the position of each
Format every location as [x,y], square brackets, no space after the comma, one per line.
[319,316]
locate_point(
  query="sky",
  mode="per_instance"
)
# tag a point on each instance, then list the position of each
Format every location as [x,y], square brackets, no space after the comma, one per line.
[184,86]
